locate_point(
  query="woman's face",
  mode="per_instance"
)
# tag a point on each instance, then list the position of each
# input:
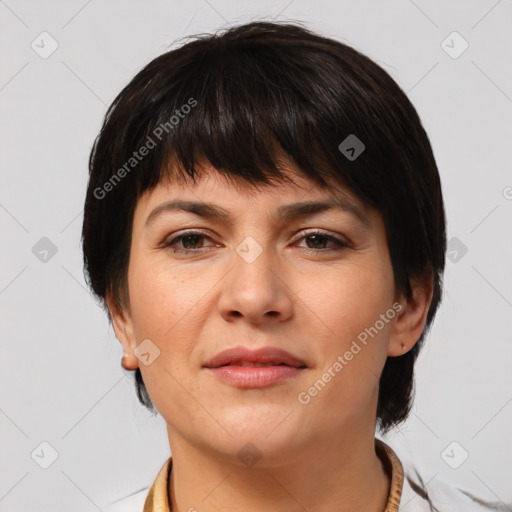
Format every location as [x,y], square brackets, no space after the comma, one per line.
[259,276]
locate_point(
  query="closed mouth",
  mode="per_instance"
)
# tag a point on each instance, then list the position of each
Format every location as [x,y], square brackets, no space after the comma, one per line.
[245,364]
[265,356]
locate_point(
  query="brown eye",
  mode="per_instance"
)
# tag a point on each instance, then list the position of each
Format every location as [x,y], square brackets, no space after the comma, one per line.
[319,239]
[192,241]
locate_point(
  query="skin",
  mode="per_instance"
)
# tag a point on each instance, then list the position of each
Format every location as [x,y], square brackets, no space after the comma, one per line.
[317,456]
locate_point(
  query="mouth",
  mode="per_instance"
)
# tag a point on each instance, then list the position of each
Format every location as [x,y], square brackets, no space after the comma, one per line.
[244,368]
[256,375]
[244,357]
[249,364]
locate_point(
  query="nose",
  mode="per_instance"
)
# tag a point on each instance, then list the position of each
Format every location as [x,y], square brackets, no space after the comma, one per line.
[255,289]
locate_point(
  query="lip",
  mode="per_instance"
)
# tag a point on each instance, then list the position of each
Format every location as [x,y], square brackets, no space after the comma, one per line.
[255,377]
[227,366]
[242,354]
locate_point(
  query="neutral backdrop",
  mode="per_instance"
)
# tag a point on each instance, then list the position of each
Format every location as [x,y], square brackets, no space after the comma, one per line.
[73,436]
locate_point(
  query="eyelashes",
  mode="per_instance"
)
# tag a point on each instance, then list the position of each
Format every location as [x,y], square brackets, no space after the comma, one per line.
[193,238]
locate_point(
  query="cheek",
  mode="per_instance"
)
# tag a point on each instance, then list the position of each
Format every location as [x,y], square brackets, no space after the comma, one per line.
[161,298]
[351,356]
[152,302]
[349,303]
[351,297]
[166,309]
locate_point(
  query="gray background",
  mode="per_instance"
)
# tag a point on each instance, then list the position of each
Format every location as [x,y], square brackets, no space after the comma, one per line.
[61,380]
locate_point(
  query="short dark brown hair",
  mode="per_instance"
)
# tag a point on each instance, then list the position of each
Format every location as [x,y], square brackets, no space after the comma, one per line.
[239,99]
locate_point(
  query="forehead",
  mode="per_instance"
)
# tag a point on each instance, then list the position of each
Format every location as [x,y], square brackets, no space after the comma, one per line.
[212,186]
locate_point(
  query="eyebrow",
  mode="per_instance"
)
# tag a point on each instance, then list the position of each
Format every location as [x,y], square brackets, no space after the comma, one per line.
[285,212]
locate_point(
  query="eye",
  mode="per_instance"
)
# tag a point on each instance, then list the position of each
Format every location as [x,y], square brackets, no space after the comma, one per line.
[190,241]
[193,241]
[319,239]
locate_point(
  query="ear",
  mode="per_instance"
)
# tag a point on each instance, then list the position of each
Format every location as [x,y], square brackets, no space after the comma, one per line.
[412,318]
[123,328]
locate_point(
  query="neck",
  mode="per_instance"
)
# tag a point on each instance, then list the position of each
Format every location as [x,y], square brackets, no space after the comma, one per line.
[343,475]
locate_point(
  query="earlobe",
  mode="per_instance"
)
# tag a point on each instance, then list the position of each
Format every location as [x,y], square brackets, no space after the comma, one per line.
[411,320]
[123,329]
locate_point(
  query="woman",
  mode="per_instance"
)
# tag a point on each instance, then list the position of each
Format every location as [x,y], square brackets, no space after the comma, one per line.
[264,222]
